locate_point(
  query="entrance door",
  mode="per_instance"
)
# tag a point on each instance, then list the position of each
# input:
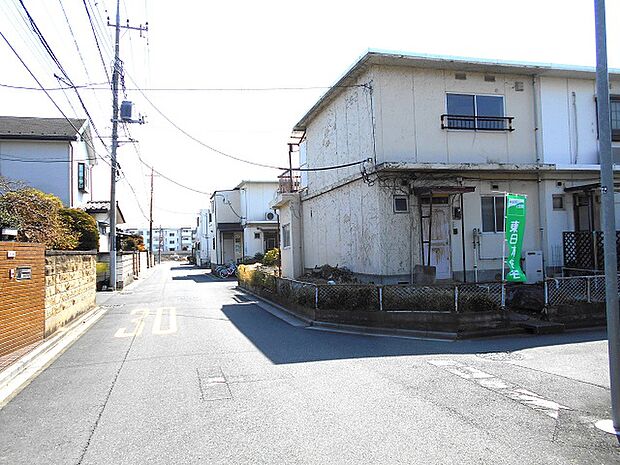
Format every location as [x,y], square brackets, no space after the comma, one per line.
[440,239]
[270,240]
[228,248]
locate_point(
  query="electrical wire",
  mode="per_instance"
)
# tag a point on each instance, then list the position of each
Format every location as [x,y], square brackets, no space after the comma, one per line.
[75,42]
[92,27]
[48,94]
[234,157]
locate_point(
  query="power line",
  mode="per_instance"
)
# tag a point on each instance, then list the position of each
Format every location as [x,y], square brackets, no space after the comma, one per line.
[234,157]
[77,47]
[54,58]
[98,86]
[92,26]
[46,93]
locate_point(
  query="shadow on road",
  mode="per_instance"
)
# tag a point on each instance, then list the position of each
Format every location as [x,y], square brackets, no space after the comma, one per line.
[203,278]
[283,343]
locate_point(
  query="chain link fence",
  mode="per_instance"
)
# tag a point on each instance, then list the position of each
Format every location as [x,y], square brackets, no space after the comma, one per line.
[562,291]
[449,298]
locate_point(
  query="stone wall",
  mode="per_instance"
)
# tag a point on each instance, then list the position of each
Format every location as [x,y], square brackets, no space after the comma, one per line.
[70,286]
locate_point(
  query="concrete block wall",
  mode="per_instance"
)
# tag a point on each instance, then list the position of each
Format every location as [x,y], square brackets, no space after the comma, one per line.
[70,286]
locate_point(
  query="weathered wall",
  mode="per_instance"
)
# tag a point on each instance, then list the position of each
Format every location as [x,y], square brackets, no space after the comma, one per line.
[410,101]
[344,227]
[70,286]
[126,268]
[22,314]
[340,134]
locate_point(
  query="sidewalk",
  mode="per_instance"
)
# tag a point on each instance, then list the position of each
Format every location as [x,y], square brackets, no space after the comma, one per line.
[19,368]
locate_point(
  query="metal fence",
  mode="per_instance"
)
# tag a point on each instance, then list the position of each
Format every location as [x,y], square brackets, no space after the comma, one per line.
[365,297]
[562,291]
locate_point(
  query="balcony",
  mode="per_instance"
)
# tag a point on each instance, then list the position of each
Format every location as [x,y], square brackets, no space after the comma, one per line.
[477,123]
[288,183]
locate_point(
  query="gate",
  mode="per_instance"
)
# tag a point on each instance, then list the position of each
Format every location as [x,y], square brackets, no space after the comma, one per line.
[22,295]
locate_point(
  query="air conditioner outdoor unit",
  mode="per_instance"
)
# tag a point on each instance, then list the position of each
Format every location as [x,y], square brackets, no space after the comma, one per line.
[270,216]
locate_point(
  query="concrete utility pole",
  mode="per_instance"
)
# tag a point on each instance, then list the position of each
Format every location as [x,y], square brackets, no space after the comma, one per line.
[115,119]
[115,77]
[151,222]
[608,217]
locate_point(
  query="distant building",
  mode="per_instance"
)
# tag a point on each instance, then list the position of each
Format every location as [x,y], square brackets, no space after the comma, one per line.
[167,239]
[241,224]
[53,155]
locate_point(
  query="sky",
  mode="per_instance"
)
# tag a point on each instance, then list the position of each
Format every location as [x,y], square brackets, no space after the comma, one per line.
[237,76]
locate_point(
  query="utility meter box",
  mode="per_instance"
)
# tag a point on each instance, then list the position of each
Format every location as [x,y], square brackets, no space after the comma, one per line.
[533,266]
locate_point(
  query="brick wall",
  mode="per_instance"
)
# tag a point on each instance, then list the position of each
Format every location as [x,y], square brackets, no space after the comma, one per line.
[22,314]
[70,286]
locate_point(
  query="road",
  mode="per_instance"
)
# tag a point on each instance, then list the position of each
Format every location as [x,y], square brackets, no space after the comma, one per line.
[184,368]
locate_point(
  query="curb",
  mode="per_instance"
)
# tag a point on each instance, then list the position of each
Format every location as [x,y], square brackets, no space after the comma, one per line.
[358,330]
[16,377]
[266,302]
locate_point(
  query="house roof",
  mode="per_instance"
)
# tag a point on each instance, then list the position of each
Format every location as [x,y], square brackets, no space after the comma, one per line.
[29,128]
[103,206]
[416,60]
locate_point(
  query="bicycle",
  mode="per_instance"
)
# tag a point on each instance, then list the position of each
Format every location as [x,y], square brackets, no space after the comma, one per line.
[226,271]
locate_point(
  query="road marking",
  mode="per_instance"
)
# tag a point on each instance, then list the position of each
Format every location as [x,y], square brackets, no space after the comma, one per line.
[172,321]
[507,389]
[139,322]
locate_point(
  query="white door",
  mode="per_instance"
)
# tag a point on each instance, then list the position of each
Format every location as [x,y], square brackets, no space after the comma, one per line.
[440,240]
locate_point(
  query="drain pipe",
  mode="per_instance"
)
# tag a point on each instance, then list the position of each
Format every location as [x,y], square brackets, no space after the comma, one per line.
[541,200]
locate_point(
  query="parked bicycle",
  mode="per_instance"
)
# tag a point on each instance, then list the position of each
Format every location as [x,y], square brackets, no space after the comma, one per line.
[226,271]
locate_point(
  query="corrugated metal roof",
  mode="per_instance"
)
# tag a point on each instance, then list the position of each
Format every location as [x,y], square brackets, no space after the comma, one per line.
[17,127]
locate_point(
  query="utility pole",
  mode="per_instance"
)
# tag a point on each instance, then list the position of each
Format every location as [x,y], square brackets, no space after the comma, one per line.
[151,222]
[115,119]
[608,218]
[159,244]
[115,77]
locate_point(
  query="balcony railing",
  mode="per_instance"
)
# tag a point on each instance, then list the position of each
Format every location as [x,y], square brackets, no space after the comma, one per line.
[473,123]
[288,184]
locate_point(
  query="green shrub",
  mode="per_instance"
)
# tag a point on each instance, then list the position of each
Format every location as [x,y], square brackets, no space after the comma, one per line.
[83,226]
[272,257]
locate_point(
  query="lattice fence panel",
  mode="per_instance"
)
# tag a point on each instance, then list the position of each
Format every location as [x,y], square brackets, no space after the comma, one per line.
[348,297]
[418,298]
[578,250]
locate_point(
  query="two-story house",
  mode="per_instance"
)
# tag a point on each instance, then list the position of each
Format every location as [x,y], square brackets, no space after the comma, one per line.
[53,155]
[443,139]
[242,223]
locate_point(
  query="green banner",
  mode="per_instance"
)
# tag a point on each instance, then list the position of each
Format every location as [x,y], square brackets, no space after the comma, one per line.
[515,228]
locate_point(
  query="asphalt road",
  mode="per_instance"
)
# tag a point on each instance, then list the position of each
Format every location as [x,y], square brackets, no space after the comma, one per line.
[185,368]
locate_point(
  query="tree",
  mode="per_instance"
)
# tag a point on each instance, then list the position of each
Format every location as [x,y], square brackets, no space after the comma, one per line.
[131,242]
[83,227]
[37,217]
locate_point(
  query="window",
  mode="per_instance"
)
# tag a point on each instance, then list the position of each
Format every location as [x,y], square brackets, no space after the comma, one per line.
[286,236]
[82,178]
[171,234]
[171,242]
[483,112]
[401,205]
[558,202]
[256,235]
[213,243]
[492,213]
[614,109]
